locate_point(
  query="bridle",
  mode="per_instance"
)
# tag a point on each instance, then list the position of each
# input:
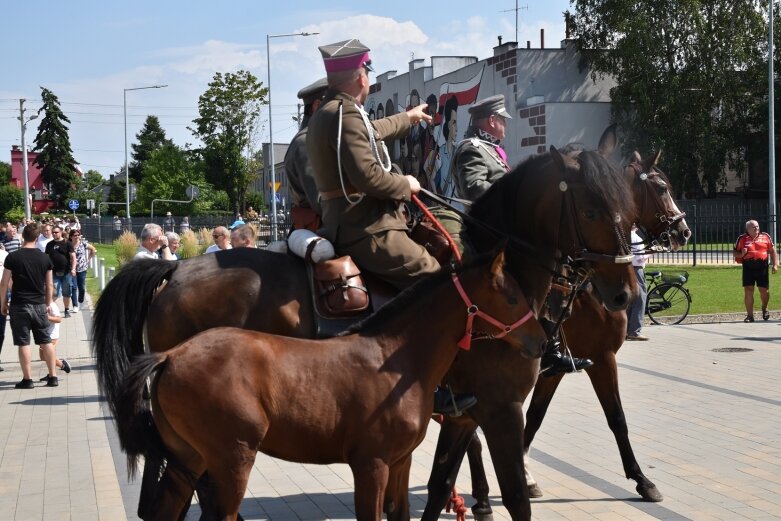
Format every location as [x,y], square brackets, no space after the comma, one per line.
[661,239]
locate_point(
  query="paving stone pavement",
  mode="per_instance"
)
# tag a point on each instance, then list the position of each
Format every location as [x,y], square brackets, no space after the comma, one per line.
[704,426]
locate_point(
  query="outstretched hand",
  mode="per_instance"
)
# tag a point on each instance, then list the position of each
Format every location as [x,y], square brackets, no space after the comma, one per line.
[417,114]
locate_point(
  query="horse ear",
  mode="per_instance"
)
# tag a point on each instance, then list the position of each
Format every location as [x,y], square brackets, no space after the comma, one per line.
[636,157]
[497,266]
[608,141]
[564,161]
[651,160]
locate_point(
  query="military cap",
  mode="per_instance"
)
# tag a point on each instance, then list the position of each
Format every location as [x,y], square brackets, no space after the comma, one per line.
[313,91]
[488,107]
[345,56]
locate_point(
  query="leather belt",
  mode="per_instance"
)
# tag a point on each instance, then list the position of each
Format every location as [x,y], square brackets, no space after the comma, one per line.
[336,194]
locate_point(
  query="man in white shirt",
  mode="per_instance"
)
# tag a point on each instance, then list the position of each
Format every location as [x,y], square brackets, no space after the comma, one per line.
[44,238]
[636,310]
[221,238]
[152,240]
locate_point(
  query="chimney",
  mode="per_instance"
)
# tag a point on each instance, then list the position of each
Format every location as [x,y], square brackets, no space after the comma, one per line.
[500,40]
[542,38]
[528,44]
[15,148]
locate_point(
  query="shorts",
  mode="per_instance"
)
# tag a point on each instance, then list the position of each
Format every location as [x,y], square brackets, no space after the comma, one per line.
[26,318]
[62,284]
[755,272]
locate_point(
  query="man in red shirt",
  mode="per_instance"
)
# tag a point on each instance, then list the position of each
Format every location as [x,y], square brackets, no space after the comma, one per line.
[752,250]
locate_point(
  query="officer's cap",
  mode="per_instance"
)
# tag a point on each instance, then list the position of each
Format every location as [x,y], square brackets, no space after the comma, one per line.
[313,91]
[345,56]
[488,107]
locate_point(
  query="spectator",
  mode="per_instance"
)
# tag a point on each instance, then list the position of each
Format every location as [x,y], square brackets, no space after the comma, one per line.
[252,215]
[11,242]
[636,310]
[60,251]
[153,240]
[45,237]
[174,241]
[30,273]
[243,236]
[74,223]
[184,227]
[53,314]
[3,255]
[117,224]
[752,250]
[84,252]
[221,240]
[169,223]
[238,222]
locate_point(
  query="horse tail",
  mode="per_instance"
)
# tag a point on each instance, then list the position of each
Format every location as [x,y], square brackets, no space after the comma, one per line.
[136,428]
[118,321]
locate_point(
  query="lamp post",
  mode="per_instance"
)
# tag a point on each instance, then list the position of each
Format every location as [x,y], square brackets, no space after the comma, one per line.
[271,131]
[24,121]
[771,132]
[127,172]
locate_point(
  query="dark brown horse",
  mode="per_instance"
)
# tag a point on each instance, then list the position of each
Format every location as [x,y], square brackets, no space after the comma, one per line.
[664,225]
[226,393]
[556,211]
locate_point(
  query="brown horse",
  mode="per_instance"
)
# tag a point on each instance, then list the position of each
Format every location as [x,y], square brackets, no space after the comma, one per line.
[555,210]
[664,225]
[227,393]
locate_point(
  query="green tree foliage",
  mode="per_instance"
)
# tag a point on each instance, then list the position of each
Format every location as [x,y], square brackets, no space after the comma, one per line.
[229,113]
[5,173]
[167,174]
[150,138]
[689,79]
[92,179]
[55,156]
[11,198]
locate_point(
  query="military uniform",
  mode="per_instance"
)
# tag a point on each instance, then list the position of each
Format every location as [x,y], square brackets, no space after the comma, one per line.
[478,160]
[366,222]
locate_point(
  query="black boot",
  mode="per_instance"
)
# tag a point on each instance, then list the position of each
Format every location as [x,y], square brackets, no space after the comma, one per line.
[555,362]
[452,404]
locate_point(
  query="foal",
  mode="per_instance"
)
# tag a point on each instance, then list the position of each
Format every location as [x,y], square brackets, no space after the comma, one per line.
[225,394]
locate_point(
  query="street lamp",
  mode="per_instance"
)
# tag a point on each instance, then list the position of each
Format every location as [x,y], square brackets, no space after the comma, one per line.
[772,219]
[271,132]
[24,121]
[127,172]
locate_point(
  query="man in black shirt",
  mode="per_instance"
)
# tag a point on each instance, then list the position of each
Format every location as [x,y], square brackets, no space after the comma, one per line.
[63,257]
[31,293]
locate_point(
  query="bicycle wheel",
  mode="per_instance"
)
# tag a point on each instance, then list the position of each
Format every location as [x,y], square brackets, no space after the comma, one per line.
[668,304]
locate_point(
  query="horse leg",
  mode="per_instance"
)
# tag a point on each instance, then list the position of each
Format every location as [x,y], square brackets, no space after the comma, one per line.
[454,436]
[482,509]
[538,406]
[229,472]
[503,430]
[604,379]
[397,493]
[371,480]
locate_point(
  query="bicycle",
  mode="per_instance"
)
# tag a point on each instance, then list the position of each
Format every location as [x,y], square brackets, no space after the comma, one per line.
[668,301]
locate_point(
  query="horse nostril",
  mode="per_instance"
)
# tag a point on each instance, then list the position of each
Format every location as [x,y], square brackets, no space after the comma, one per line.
[621,300]
[687,233]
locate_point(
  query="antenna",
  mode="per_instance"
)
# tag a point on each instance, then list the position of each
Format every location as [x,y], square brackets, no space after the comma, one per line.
[516,16]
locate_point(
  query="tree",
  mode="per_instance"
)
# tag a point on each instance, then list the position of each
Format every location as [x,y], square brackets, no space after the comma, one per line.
[11,198]
[150,138]
[55,156]
[167,174]
[5,173]
[229,113]
[689,79]
[92,179]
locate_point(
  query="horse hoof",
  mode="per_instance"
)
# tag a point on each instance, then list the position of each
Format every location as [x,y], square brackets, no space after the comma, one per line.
[534,490]
[650,493]
[483,517]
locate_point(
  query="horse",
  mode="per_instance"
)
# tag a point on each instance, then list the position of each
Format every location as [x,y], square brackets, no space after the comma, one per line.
[556,210]
[664,225]
[227,393]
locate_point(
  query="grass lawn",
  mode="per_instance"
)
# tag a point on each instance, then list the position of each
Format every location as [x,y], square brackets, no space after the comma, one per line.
[714,289]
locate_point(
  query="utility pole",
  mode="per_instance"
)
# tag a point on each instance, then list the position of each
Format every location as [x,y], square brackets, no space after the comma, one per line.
[771,132]
[23,121]
[516,16]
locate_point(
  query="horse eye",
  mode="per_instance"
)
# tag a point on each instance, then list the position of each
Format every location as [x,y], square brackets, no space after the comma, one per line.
[591,214]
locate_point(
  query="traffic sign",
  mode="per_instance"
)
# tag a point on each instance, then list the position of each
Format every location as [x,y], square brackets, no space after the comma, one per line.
[73,204]
[90,204]
[276,185]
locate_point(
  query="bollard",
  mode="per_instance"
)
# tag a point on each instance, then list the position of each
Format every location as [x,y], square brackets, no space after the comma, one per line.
[110,273]
[102,274]
[94,261]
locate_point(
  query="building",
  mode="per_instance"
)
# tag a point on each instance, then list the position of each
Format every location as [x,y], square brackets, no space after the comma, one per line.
[39,192]
[263,184]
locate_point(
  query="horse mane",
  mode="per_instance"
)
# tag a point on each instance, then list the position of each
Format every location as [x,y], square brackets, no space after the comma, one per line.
[606,182]
[377,321]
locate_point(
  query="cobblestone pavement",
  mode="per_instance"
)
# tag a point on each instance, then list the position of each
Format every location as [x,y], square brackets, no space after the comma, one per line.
[704,425]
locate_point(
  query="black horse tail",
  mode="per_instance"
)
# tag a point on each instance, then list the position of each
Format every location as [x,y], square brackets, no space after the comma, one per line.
[118,321]
[136,428]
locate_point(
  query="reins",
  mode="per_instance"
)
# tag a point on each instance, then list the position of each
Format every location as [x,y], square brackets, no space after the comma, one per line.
[664,237]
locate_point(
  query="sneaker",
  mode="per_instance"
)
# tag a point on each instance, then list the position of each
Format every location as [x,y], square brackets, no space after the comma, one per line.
[765,314]
[53,382]
[452,404]
[45,378]
[67,313]
[636,337]
[66,366]
[26,383]
[75,309]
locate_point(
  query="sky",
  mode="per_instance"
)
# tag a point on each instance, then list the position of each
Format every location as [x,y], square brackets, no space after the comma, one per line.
[87,52]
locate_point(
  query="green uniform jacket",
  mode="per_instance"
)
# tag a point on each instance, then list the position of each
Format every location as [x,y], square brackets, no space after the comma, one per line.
[300,175]
[476,166]
[373,231]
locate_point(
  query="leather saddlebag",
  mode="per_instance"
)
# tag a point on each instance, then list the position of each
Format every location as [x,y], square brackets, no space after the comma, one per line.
[339,287]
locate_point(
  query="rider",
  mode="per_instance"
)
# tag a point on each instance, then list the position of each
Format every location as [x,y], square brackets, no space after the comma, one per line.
[359,194]
[478,161]
[306,207]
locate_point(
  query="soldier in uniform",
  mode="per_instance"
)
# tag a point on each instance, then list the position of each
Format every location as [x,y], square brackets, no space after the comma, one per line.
[359,194]
[303,190]
[479,160]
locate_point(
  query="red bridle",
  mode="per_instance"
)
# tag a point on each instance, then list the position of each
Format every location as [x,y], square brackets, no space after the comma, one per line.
[472,311]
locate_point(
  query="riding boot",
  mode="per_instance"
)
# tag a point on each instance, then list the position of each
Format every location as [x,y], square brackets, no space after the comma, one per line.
[450,403]
[555,362]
